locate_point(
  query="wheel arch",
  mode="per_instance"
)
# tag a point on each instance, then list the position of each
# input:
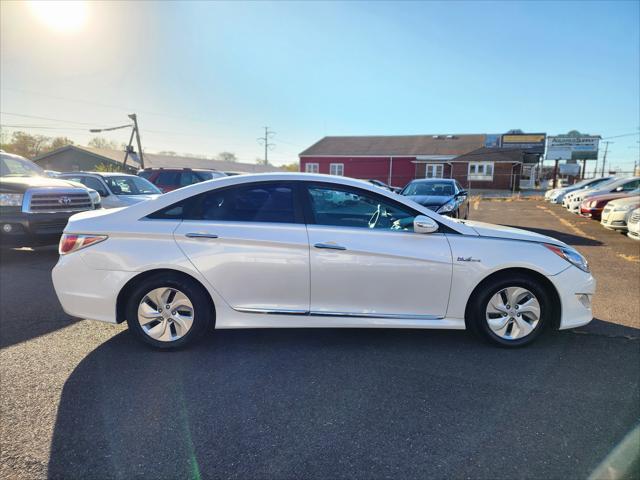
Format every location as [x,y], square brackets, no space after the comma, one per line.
[133,282]
[539,277]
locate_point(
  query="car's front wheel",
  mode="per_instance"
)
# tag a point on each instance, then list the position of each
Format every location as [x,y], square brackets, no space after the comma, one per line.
[168,311]
[512,311]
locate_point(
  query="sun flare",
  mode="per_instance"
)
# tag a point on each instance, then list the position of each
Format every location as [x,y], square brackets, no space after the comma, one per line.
[61,16]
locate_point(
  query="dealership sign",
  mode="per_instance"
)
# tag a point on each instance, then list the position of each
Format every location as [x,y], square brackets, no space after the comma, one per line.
[572,148]
[530,142]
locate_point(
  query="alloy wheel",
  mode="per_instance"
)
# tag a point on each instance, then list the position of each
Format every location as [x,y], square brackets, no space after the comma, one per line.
[513,313]
[165,314]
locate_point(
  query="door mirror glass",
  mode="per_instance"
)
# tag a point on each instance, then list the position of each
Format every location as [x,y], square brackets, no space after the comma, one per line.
[462,193]
[424,224]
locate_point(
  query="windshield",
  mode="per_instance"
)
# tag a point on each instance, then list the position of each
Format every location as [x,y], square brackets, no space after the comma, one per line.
[130,185]
[429,188]
[14,166]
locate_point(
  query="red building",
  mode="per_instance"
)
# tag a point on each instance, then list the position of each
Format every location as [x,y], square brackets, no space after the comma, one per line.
[396,160]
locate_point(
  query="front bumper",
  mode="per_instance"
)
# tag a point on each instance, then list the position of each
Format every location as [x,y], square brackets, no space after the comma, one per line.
[32,229]
[573,285]
[614,220]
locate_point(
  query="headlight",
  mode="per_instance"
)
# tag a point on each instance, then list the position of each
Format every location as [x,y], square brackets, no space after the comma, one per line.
[95,196]
[623,208]
[570,255]
[447,207]
[11,199]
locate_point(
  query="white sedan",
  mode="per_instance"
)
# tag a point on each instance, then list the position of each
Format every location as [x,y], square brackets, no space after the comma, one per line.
[302,250]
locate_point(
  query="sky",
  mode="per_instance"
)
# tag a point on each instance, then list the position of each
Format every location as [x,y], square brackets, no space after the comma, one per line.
[207,77]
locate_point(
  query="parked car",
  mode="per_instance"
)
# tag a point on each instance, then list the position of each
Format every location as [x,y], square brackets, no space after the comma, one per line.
[381,184]
[168,179]
[633,225]
[617,212]
[34,208]
[116,189]
[556,195]
[305,250]
[442,195]
[620,185]
[592,207]
[566,199]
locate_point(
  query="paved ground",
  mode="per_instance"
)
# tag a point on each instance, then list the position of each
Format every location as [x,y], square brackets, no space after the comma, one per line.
[83,400]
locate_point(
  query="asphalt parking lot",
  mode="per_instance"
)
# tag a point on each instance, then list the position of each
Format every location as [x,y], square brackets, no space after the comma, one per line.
[83,400]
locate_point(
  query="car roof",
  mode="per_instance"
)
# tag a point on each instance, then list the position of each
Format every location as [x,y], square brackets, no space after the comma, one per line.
[99,174]
[162,169]
[432,180]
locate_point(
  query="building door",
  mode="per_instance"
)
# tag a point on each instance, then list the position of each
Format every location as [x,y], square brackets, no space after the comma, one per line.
[434,170]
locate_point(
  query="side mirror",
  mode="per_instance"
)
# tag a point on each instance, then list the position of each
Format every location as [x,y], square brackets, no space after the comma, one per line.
[462,193]
[620,188]
[424,224]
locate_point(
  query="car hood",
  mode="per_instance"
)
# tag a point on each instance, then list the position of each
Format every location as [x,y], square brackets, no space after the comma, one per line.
[606,196]
[22,184]
[131,199]
[509,233]
[626,200]
[430,200]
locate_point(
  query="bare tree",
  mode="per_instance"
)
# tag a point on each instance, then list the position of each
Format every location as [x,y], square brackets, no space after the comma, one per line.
[103,143]
[227,157]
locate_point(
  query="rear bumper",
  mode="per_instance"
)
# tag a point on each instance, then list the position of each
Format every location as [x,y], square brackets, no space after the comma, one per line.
[576,289]
[86,292]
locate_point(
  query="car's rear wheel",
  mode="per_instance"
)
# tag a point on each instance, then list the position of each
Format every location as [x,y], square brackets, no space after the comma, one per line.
[512,311]
[168,311]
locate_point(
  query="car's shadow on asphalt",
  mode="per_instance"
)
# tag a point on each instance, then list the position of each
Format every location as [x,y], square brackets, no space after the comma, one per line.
[28,301]
[346,404]
[567,238]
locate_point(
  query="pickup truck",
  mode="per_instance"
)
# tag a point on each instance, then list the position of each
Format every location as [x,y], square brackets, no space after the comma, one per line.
[34,208]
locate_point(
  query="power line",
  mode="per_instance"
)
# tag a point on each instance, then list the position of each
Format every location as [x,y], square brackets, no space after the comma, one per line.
[37,117]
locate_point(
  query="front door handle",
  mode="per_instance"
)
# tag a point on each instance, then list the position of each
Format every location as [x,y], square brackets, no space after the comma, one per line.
[201,235]
[330,246]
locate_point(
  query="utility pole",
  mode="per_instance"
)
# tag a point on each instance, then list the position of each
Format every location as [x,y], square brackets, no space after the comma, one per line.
[604,157]
[268,135]
[135,131]
[134,117]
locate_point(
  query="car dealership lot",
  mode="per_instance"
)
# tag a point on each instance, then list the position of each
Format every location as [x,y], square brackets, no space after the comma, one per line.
[84,400]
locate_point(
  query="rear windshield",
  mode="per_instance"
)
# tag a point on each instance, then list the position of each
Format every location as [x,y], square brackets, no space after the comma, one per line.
[429,188]
[130,185]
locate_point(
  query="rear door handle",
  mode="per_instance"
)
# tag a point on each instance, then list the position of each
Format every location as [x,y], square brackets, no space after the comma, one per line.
[201,235]
[330,246]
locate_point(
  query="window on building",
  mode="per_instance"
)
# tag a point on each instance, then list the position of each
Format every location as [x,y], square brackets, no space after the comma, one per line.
[312,168]
[480,171]
[336,169]
[434,170]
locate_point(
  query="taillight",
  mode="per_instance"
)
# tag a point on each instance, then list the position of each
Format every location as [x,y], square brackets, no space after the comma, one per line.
[71,242]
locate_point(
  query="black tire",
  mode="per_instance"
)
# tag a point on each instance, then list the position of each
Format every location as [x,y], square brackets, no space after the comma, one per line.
[476,310]
[203,309]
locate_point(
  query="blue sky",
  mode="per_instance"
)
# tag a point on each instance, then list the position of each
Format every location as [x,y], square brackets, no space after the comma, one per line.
[205,77]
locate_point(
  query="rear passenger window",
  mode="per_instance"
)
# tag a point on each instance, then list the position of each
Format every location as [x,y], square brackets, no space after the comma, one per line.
[167,178]
[251,203]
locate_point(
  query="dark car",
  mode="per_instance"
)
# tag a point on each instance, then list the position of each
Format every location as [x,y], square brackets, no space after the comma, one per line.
[168,179]
[442,195]
[34,208]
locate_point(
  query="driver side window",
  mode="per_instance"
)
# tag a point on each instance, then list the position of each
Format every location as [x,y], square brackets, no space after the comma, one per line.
[357,208]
